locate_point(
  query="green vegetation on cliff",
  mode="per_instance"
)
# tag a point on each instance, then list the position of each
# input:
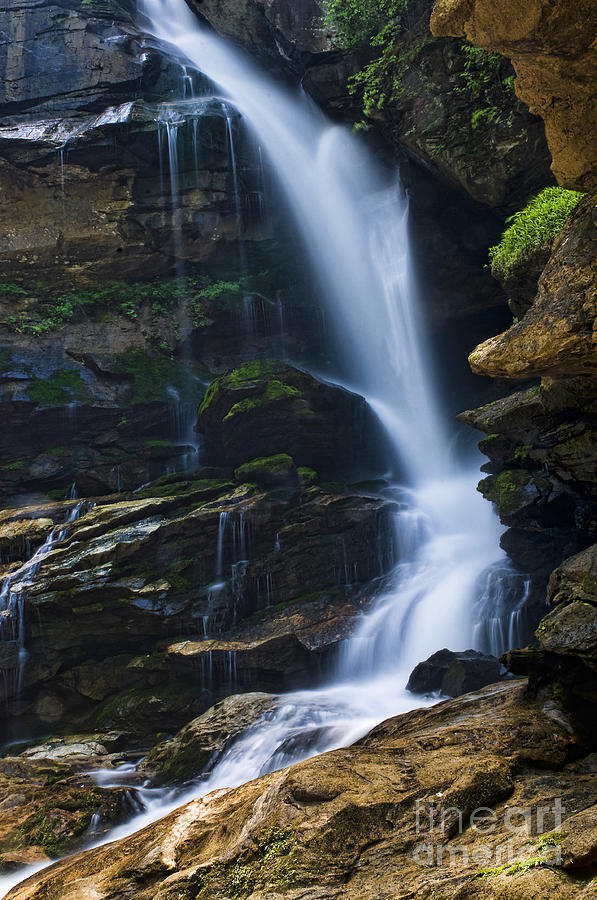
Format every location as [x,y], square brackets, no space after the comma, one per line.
[50,312]
[379,25]
[533,228]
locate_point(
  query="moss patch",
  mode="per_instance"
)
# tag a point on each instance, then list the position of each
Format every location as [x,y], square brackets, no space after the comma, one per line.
[534,228]
[60,388]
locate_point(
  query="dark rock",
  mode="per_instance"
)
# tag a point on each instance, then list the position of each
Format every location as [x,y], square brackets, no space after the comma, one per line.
[267,407]
[454,673]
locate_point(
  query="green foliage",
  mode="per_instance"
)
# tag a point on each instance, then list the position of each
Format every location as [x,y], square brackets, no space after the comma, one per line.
[12,290]
[379,24]
[480,68]
[121,299]
[356,22]
[484,116]
[533,228]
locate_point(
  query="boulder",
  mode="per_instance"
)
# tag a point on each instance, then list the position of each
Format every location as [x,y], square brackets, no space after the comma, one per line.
[454,674]
[369,819]
[46,809]
[201,743]
[268,407]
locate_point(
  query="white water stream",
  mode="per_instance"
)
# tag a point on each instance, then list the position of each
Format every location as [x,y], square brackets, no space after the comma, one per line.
[453,585]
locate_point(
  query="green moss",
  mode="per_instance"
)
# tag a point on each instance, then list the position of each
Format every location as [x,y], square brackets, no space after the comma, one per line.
[60,388]
[509,489]
[16,466]
[485,788]
[41,831]
[12,290]
[274,865]
[534,228]
[279,465]
[275,391]
[307,477]
[152,374]
[174,486]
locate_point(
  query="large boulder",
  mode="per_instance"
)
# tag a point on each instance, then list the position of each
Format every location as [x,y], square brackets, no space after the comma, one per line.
[454,674]
[267,407]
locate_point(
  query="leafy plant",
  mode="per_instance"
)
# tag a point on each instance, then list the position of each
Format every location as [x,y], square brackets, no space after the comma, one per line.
[533,228]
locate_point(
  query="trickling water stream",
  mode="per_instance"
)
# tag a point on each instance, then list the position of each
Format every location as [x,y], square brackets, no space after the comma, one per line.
[453,586]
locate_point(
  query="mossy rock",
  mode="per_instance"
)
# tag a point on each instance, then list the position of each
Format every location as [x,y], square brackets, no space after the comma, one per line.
[514,491]
[266,409]
[269,471]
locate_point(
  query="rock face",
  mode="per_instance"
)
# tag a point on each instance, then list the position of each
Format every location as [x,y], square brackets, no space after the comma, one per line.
[557,335]
[543,468]
[463,118]
[168,581]
[554,57]
[454,674]
[370,819]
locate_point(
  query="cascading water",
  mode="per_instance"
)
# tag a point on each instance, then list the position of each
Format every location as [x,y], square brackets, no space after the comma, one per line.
[453,586]
[13,593]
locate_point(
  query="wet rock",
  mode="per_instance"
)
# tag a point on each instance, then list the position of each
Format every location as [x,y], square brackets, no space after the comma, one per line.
[277,662]
[306,827]
[571,628]
[200,743]
[454,674]
[554,62]
[47,809]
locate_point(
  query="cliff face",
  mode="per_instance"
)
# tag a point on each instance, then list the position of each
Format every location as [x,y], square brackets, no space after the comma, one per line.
[554,55]
[542,468]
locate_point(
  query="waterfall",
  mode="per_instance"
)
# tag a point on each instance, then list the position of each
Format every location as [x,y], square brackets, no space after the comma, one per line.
[13,595]
[453,585]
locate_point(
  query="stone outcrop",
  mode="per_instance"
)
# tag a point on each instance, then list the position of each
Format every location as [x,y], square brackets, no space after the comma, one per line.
[554,56]
[557,335]
[199,745]
[47,808]
[168,581]
[346,822]
[454,674]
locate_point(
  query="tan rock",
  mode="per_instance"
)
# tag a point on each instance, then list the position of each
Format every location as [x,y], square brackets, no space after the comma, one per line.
[558,335]
[344,824]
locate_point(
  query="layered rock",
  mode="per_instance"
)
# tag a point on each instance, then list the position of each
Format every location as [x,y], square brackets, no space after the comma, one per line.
[168,581]
[47,809]
[554,57]
[309,829]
